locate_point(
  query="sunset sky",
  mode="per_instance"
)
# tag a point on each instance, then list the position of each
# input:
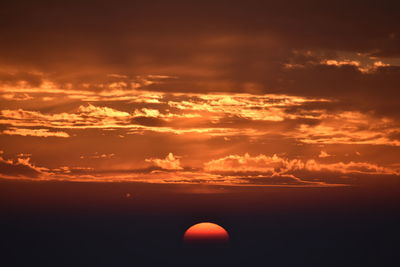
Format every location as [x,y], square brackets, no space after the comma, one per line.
[270,93]
[199,133]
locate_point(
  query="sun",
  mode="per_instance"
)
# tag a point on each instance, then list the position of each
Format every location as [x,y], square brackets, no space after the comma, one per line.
[206,233]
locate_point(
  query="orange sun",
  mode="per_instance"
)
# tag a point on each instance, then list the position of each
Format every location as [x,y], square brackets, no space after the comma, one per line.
[206,232]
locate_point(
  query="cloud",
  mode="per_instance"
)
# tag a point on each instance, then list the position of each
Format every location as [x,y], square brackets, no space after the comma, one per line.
[97,155]
[21,167]
[349,128]
[231,170]
[93,68]
[309,120]
[367,68]
[94,111]
[245,163]
[35,132]
[88,116]
[256,107]
[265,77]
[16,97]
[324,154]
[276,165]
[170,162]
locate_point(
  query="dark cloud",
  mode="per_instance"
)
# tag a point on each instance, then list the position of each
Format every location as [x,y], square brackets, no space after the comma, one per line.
[18,168]
[122,33]
[282,180]
[149,121]
[395,135]
[12,78]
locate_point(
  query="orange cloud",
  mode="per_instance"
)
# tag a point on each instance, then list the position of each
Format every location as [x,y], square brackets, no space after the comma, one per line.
[324,154]
[35,132]
[254,107]
[224,115]
[97,155]
[348,128]
[170,162]
[94,111]
[221,115]
[16,97]
[245,163]
[278,165]
[232,170]
[364,68]
[118,88]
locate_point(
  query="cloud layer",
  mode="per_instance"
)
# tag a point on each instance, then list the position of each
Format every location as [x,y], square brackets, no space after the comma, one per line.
[255,93]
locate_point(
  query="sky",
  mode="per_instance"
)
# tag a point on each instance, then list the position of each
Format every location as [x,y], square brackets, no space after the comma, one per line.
[267,93]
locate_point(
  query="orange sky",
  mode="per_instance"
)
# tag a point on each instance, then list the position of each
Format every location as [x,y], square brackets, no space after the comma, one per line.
[264,94]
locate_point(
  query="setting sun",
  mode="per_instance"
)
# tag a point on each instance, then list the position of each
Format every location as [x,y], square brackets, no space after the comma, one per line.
[206,232]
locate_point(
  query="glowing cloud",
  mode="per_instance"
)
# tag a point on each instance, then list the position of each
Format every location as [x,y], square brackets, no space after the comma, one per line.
[323,154]
[170,162]
[278,165]
[35,132]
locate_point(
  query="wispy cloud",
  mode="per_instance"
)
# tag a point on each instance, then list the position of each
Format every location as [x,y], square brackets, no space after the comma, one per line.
[35,132]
